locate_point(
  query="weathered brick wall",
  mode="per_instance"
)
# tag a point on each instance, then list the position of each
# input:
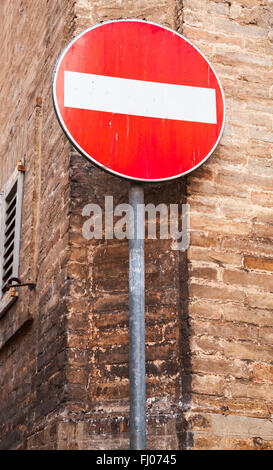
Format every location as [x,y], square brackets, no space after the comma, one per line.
[64,375]
[32,332]
[230,258]
[98,373]
[208,343]
[98,318]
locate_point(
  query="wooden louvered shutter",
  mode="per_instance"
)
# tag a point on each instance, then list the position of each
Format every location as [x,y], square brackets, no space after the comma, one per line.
[10,227]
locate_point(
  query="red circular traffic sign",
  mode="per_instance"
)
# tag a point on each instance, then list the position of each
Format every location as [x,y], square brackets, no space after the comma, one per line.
[139,100]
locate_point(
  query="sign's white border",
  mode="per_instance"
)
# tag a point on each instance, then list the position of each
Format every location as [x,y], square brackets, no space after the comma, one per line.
[77,146]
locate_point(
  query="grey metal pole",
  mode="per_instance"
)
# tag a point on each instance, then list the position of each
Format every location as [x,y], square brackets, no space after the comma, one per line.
[137,318]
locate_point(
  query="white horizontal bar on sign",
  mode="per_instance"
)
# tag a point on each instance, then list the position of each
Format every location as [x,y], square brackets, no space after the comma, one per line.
[139,98]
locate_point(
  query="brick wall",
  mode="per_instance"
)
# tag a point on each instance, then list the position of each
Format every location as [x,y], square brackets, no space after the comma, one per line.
[64,364]
[230,270]
[32,332]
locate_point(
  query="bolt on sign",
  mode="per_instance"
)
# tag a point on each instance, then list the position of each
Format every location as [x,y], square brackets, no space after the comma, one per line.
[139,100]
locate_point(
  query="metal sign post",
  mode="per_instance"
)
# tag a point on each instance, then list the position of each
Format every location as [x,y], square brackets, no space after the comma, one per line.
[137,318]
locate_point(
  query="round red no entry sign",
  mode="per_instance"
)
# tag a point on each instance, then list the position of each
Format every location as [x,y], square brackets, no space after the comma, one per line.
[139,100]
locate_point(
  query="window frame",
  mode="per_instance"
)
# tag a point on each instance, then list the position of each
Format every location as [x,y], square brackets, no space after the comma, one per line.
[6,299]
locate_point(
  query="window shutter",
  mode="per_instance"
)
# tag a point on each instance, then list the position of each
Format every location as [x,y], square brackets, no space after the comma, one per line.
[11,198]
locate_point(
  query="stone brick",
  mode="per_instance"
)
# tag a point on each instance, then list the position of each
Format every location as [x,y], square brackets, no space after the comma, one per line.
[232,27]
[209,364]
[246,351]
[204,441]
[205,309]
[223,329]
[249,246]
[208,384]
[216,224]
[203,239]
[263,301]
[239,425]
[262,198]
[262,373]
[263,231]
[204,344]
[215,292]
[266,335]
[247,279]
[253,316]
[203,273]
[263,264]
[255,443]
[213,256]
[235,406]
[256,391]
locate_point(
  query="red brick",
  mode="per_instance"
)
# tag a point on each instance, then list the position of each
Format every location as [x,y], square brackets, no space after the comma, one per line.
[263,264]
